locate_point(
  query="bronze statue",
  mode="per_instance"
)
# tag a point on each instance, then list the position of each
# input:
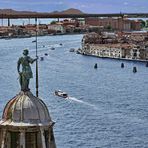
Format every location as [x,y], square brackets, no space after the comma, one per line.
[26,74]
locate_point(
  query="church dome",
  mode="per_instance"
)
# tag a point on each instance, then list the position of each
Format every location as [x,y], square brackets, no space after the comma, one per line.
[26,109]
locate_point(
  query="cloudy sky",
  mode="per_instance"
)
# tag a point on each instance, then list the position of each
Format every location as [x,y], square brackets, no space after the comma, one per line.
[88,6]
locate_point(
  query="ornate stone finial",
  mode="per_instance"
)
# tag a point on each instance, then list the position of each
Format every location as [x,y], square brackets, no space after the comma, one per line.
[26,74]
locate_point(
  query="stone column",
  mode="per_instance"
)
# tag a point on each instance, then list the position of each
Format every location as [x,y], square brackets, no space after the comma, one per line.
[42,138]
[52,143]
[3,138]
[138,53]
[131,52]
[22,138]
[8,139]
[109,51]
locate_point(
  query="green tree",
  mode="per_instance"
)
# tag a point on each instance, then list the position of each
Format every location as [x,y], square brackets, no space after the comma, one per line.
[143,23]
[53,22]
[109,27]
[146,24]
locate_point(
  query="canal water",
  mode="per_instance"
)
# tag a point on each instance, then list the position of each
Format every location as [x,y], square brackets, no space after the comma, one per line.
[107,106]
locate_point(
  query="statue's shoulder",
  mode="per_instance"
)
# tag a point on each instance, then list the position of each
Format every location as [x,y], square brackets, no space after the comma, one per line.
[20,59]
[28,57]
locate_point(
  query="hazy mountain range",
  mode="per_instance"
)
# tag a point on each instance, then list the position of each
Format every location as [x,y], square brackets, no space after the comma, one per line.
[68,11]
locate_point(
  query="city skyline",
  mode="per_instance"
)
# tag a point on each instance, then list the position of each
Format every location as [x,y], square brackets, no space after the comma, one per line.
[87,6]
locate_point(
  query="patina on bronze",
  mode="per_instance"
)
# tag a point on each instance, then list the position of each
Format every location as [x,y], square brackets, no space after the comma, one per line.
[26,74]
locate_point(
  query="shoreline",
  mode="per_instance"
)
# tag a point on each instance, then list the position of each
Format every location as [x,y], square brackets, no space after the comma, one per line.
[120,59]
[30,36]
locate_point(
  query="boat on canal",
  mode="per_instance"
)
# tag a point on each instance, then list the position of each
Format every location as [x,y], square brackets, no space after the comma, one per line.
[72,50]
[61,94]
[34,41]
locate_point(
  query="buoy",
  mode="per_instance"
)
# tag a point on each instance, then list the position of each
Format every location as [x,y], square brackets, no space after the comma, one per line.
[96,66]
[146,64]
[41,58]
[122,65]
[134,69]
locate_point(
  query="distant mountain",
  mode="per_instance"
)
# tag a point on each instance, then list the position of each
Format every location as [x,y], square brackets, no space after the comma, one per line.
[11,11]
[69,11]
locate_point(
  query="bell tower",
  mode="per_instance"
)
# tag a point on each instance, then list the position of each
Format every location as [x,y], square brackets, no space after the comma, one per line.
[26,122]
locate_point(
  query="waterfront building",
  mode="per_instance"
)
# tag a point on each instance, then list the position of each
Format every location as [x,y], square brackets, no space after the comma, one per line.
[58,28]
[102,51]
[112,45]
[71,22]
[114,51]
[114,23]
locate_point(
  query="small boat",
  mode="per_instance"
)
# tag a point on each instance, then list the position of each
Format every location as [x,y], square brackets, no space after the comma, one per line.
[71,50]
[33,41]
[61,44]
[52,48]
[61,94]
[46,54]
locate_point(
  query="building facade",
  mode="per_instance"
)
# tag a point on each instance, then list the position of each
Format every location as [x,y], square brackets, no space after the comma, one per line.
[58,28]
[114,23]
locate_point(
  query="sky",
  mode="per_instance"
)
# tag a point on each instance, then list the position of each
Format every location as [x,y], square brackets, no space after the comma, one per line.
[87,6]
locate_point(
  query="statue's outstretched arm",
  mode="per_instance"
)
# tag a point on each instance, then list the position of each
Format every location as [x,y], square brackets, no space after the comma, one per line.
[32,60]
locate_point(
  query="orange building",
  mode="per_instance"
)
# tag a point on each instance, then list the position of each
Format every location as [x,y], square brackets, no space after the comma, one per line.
[122,24]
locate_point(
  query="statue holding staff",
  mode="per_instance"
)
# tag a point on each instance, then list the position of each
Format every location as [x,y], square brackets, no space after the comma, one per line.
[26,74]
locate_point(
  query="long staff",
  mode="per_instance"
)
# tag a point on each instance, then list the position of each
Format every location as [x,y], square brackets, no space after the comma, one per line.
[37,81]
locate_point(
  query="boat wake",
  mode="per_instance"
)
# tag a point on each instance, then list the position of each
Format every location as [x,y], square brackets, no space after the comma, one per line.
[83,102]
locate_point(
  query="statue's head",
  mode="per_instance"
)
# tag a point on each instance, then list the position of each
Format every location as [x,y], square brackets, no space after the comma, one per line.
[25,52]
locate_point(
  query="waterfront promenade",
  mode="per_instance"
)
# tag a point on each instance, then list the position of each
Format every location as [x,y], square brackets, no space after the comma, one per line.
[108,105]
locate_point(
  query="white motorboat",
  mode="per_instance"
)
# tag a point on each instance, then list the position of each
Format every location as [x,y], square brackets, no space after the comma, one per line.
[61,94]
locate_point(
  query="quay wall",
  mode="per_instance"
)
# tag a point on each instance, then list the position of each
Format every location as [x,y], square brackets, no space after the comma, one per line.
[114,52]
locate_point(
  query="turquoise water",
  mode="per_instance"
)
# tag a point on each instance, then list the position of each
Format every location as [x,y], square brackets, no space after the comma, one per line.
[107,106]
